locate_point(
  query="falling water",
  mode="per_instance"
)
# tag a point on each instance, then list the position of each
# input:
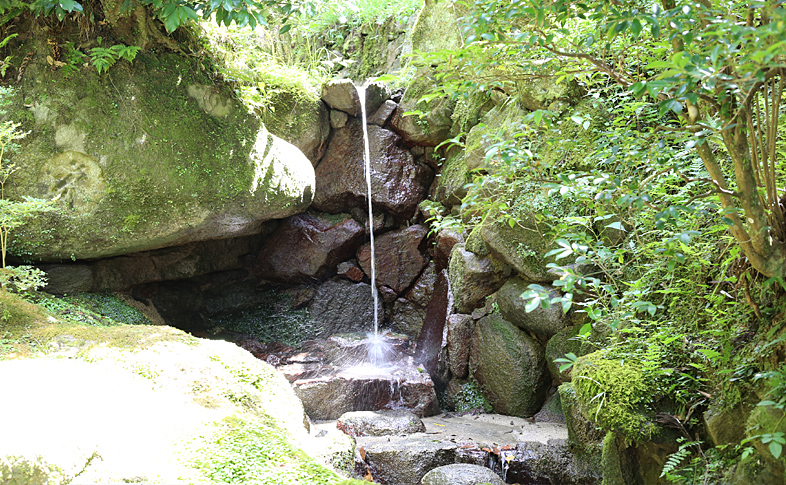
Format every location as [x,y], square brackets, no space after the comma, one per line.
[367,160]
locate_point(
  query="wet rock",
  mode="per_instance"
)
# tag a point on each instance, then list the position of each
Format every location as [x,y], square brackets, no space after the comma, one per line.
[380,423]
[341,307]
[541,321]
[421,291]
[398,257]
[387,294]
[546,93]
[408,317]
[125,272]
[451,185]
[459,338]
[581,432]
[337,391]
[398,183]
[308,247]
[461,474]
[554,462]
[473,278]
[341,94]
[564,342]
[351,271]
[354,349]
[383,114]
[509,367]
[338,119]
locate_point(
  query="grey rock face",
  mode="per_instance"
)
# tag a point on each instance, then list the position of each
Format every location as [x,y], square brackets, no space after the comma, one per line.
[461,474]
[509,366]
[383,114]
[513,309]
[341,306]
[308,247]
[341,94]
[380,423]
[398,184]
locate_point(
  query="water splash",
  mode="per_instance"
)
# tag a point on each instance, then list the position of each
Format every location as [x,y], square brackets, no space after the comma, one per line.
[380,350]
[361,90]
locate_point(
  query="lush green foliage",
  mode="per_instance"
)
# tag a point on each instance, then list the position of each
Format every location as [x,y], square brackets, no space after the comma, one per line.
[98,309]
[105,57]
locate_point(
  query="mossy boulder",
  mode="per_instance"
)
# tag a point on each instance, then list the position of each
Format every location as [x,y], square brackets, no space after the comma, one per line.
[543,321]
[509,367]
[451,185]
[523,245]
[503,121]
[583,433]
[568,143]
[147,404]
[147,155]
[612,394]
[473,278]
[548,93]
[563,342]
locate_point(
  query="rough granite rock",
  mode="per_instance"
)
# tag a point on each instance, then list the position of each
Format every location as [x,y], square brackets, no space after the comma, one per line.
[408,317]
[473,278]
[188,168]
[341,94]
[383,114]
[308,247]
[385,422]
[509,367]
[398,258]
[447,237]
[541,321]
[461,474]
[398,184]
[341,306]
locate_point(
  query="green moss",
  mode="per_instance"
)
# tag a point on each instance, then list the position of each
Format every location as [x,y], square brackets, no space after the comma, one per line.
[611,393]
[243,451]
[470,397]
[610,461]
[452,181]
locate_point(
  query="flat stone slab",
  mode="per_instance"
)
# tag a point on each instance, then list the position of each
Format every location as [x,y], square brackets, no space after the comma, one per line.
[387,422]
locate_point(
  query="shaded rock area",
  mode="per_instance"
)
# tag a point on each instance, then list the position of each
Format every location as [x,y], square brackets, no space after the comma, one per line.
[341,306]
[398,257]
[308,247]
[541,321]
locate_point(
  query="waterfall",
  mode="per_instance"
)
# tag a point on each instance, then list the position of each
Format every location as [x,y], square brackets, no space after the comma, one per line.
[361,90]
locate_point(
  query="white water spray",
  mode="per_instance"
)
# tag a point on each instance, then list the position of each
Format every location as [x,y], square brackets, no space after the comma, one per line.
[367,160]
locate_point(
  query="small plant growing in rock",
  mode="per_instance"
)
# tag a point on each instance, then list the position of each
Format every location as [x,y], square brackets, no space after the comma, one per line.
[14,213]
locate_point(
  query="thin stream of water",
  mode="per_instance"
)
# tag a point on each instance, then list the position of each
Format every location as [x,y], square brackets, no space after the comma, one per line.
[367,160]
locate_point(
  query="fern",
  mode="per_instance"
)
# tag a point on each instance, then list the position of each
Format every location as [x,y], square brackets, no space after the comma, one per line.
[674,461]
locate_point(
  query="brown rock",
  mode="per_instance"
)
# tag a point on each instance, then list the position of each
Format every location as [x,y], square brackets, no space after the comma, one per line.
[459,338]
[382,115]
[398,258]
[307,247]
[398,184]
[351,271]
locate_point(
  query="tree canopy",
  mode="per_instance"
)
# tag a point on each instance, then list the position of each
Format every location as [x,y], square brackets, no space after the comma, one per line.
[714,68]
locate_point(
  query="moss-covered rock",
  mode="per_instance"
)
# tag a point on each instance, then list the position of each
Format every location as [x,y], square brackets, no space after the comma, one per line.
[473,278]
[451,185]
[147,404]
[611,393]
[583,433]
[547,93]
[563,342]
[568,143]
[147,155]
[502,121]
[542,321]
[508,366]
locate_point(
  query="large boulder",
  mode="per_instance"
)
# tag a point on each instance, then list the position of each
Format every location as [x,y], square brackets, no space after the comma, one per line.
[459,338]
[504,121]
[303,122]
[308,247]
[473,278]
[397,257]
[342,95]
[203,398]
[398,184]
[189,164]
[546,321]
[509,366]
